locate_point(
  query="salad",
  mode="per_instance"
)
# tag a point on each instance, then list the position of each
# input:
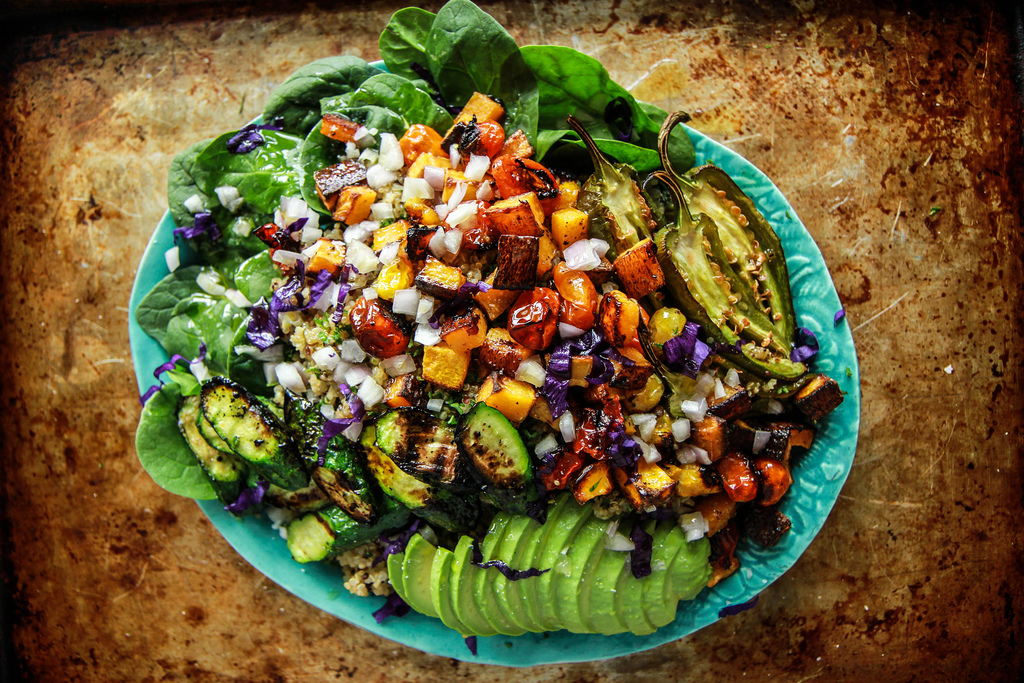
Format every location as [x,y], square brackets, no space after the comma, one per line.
[474,329]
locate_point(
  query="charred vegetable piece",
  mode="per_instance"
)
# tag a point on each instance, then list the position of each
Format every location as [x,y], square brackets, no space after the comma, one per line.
[511,397]
[765,524]
[579,297]
[226,471]
[353,205]
[495,301]
[466,330]
[717,509]
[421,445]
[518,257]
[775,480]
[403,391]
[308,499]
[380,332]
[595,480]
[533,319]
[690,481]
[517,145]
[339,128]
[519,214]
[323,534]
[736,403]
[711,434]
[444,366]
[496,456]
[619,320]
[819,397]
[738,478]
[252,432]
[385,235]
[439,280]
[332,180]
[723,559]
[515,176]
[329,256]
[501,352]
[632,371]
[639,271]
[649,485]
[417,242]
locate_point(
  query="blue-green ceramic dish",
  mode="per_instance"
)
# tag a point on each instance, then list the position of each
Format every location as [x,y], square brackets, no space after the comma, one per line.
[819,475]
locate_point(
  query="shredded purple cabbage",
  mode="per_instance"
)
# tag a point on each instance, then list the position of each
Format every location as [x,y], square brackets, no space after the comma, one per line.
[622,451]
[355,404]
[462,299]
[718,347]
[149,394]
[471,644]
[317,289]
[556,383]
[839,317]
[249,137]
[733,610]
[248,498]
[170,365]
[506,571]
[538,509]
[640,558]
[602,371]
[396,545]
[686,353]
[394,606]
[339,309]
[805,347]
[203,225]
[263,328]
[331,429]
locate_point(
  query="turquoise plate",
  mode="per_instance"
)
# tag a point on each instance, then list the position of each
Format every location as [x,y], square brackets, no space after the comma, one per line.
[819,475]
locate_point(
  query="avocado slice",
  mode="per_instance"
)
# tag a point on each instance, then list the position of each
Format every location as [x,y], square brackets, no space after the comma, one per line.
[486,600]
[627,601]
[690,571]
[528,588]
[395,574]
[518,591]
[441,591]
[589,540]
[668,539]
[567,520]
[512,546]
[585,590]
[415,575]
[603,617]
[463,583]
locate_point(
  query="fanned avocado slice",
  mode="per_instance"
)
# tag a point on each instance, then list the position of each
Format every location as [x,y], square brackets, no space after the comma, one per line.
[415,575]
[519,590]
[668,539]
[486,600]
[627,601]
[569,582]
[511,548]
[529,588]
[588,572]
[441,591]
[603,617]
[567,520]
[463,582]
[395,575]
[691,570]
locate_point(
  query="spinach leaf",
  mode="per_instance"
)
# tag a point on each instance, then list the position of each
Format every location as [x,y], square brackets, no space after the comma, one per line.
[156,308]
[255,276]
[245,369]
[467,51]
[404,40]
[262,176]
[162,449]
[297,99]
[400,94]
[181,184]
[370,115]
[546,139]
[642,159]
[206,319]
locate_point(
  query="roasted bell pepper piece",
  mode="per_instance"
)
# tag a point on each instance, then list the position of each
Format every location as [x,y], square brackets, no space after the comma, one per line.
[533,319]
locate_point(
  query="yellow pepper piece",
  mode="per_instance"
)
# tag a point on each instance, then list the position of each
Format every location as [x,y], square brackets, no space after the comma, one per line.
[398,275]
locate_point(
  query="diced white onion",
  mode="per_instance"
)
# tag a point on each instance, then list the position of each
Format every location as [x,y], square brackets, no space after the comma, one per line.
[774,407]
[310,251]
[461,213]
[327,410]
[272,354]
[327,298]
[310,234]
[381,211]
[237,298]
[242,226]
[457,195]
[650,453]
[531,371]
[426,335]
[452,241]
[732,378]
[618,542]
[293,208]
[407,302]
[454,156]
[436,244]
[645,424]
[326,358]
[600,246]
[399,365]
[361,135]
[361,256]
[370,293]
[434,177]
[425,309]
[435,404]
[690,453]
[719,389]
[761,439]
[416,188]
[340,370]
[209,282]
[695,410]
[173,259]
[681,430]
[352,352]
[270,373]
[694,525]
[378,177]
[353,431]
[194,204]
[608,287]
[389,253]
[360,231]
[356,375]
[351,150]
[228,197]
[441,210]
[290,378]
[288,258]
[199,370]
[476,167]
[581,256]
[391,156]
[612,527]
[370,392]
[548,443]
[567,426]
[485,191]
[567,331]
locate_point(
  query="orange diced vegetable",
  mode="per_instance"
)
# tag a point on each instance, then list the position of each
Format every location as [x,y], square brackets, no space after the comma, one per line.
[379,331]
[419,139]
[495,301]
[393,277]
[427,159]
[339,128]
[568,226]
[595,480]
[482,107]
[501,352]
[512,397]
[465,331]
[517,145]
[329,256]
[445,366]
[402,391]
[518,215]
[452,179]
[354,204]
[568,192]
[517,262]
[619,318]
[419,209]
[390,233]
[439,280]
[639,270]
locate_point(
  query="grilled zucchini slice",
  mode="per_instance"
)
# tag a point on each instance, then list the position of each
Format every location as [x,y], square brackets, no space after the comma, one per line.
[226,471]
[422,446]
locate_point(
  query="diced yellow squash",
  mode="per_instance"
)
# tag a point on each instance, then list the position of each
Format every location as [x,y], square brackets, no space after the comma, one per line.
[427,159]
[422,211]
[329,256]
[445,366]
[501,352]
[717,509]
[518,145]
[689,482]
[495,301]
[398,275]
[452,180]
[638,269]
[568,226]
[579,368]
[519,215]
[595,480]
[481,106]
[547,254]
[511,397]
[439,280]
[354,204]
[465,331]
[650,485]
[417,140]
[568,192]
[390,233]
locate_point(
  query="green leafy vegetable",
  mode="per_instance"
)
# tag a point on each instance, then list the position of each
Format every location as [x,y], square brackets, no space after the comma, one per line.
[399,93]
[204,319]
[262,176]
[181,184]
[163,451]
[297,99]
[255,276]
[157,308]
[404,40]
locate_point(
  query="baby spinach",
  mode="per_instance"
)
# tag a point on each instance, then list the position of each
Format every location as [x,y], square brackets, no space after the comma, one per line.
[204,319]
[255,276]
[163,451]
[181,184]
[262,176]
[155,310]
[404,40]
[297,99]
[245,369]
[467,51]
[397,93]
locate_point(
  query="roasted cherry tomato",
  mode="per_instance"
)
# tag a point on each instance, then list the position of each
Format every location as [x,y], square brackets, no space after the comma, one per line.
[492,137]
[515,176]
[566,464]
[619,318]
[419,139]
[775,480]
[738,478]
[534,318]
[579,297]
[379,331]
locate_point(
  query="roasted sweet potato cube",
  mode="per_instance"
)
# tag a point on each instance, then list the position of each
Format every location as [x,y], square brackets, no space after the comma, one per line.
[354,204]
[332,180]
[717,509]
[735,403]
[404,390]
[452,179]
[519,215]
[569,226]
[495,301]
[765,524]
[329,256]
[512,397]
[819,397]
[445,366]
[579,368]
[518,256]
[691,482]
[501,352]
[711,434]
[439,280]
[720,571]
[593,481]
[547,253]
[390,233]
[417,141]
[638,269]
[465,331]
[427,159]
[482,107]
[602,273]
[517,145]
[337,127]
[649,486]
[422,212]
[631,376]
[417,242]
